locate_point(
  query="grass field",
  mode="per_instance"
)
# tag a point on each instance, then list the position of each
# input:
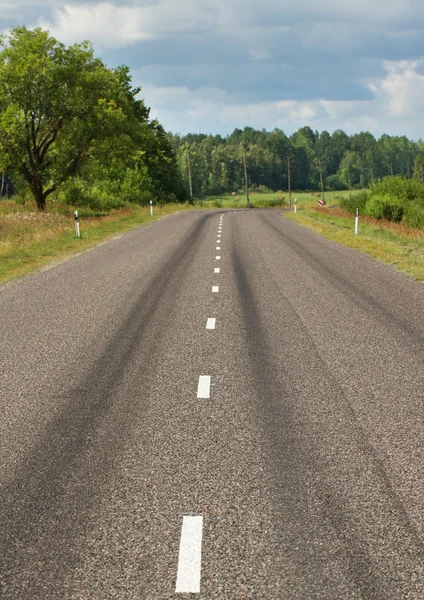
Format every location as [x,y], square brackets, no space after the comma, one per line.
[274,200]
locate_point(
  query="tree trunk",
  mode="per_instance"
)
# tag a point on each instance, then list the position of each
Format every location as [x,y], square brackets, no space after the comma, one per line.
[39,196]
[2,185]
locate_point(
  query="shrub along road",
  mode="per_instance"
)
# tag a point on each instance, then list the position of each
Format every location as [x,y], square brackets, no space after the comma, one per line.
[302,463]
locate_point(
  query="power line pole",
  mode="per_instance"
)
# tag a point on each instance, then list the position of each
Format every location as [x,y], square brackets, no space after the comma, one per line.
[289,177]
[246,181]
[348,178]
[189,174]
[321,179]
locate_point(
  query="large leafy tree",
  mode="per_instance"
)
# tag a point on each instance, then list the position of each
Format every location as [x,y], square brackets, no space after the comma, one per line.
[60,108]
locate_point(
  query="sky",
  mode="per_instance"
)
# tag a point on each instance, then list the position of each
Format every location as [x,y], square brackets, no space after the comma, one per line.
[209,66]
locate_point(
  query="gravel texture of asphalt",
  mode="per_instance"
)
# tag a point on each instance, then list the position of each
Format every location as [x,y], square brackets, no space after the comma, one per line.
[280,399]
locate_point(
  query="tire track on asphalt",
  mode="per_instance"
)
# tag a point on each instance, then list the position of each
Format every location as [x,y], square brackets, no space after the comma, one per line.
[34,503]
[359,296]
[369,573]
[366,444]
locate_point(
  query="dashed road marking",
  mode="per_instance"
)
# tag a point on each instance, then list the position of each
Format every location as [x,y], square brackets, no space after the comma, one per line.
[190,556]
[217,270]
[210,323]
[215,288]
[218,247]
[217,258]
[204,387]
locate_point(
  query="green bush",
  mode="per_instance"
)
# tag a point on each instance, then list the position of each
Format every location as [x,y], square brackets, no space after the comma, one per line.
[334,183]
[399,186]
[414,215]
[358,200]
[101,196]
[136,186]
[217,203]
[260,189]
[272,202]
[385,207]
[391,198]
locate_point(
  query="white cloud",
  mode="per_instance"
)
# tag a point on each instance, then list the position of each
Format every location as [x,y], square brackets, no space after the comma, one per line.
[258,55]
[113,25]
[396,108]
[104,24]
[403,89]
[319,49]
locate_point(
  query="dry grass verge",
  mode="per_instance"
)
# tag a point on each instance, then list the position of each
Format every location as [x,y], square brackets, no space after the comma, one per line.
[30,240]
[393,243]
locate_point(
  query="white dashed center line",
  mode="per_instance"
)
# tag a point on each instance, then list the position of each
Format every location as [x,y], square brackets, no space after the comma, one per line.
[217,270]
[217,258]
[218,247]
[210,324]
[190,556]
[215,288]
[204,387]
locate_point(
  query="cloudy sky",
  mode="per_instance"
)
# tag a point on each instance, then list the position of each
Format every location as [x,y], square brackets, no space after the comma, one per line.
[213,65]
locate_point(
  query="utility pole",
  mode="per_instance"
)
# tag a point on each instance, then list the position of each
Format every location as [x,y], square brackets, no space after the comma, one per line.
[189,174]
[289,177]
[348,178]
[321,179]
[246,181]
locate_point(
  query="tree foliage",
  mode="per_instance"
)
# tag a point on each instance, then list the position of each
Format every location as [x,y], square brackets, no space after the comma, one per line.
[346,161]
[62,109]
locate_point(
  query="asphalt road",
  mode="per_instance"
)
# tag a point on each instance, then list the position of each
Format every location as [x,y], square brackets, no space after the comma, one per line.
[300,476]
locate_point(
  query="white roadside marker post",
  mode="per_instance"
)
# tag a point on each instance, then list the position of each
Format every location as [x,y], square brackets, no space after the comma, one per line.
[295,206]
[357,221]
[151,208]
[77,229]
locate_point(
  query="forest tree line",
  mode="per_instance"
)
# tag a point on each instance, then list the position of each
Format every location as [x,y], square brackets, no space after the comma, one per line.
[356,161]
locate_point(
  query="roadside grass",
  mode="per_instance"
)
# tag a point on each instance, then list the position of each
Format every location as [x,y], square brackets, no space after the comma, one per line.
[29,240]
[273,200]
[392,243]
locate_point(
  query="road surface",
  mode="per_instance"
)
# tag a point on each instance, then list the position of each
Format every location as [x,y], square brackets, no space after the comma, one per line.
[217,405]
